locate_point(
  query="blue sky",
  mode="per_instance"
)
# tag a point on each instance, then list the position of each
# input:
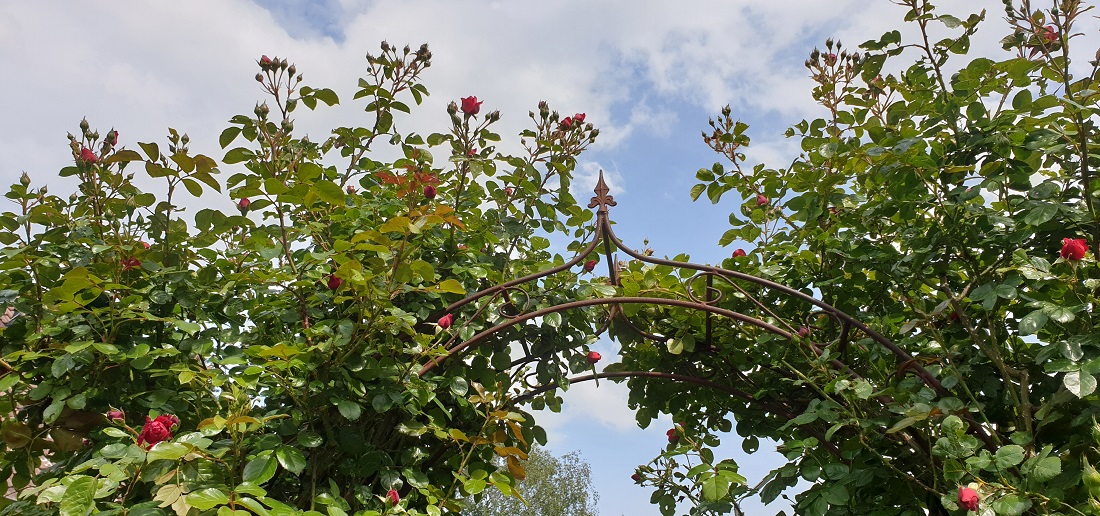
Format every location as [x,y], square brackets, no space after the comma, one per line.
[647,72]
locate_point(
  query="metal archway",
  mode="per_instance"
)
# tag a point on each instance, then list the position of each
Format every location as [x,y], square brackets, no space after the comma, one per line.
[511,315]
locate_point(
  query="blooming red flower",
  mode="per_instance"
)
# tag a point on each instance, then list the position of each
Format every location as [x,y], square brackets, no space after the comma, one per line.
[593,357]
[393,497]
[968,498]
[566,123]
[446,321]
[1050,34]
[739,252]
[470,106]
[243,203]
[130,263]
[154,431]
[673,437]
[87,156]
[169,421]
[334,282]
[1074,248]
[589,265]
[578,118]
[116,415]
[429,192]
[761,200]
[636,478]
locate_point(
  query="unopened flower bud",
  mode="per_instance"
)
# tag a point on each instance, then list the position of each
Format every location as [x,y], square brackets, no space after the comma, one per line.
[494,116]
[291,70]
[25,179]
[259,77]
[385,46]
[84,125]
[452,108]
[288,126]
[283,64]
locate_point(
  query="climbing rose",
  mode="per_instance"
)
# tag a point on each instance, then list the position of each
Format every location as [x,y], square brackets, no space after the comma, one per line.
[589,265]
[446,320]
[334,282]
[470,106]
[86,155]
[739,252]
[761,200]
[155,431]
[1074,248]
[968,498]
[593,357]
[393,497]
[673,437]
[429,192]
[243,203]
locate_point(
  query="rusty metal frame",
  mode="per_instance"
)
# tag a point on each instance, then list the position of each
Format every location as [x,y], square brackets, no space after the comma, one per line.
[515,314]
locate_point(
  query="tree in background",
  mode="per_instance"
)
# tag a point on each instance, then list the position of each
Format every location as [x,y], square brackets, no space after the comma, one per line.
[554,486]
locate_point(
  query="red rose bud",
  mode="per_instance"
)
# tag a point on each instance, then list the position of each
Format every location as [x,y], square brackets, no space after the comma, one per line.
[351,190]
[589,265]
[265,62]
[636,478]
[472,152]
[470,106]
[567,123]
[429,192]
[393,497]
[446,321]
[578,118]
[739,253]
[761,200]
[130,263]
[334,282]
[509,191]
[593,357]
[968,498]
[116,415]
[243,203]
[153,432]
[1050,34]
[1074,248]
[145,244]
[803,332]
[87,156]
[673,437]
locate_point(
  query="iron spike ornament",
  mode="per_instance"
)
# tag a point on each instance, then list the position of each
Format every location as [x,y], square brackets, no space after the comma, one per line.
[602,199]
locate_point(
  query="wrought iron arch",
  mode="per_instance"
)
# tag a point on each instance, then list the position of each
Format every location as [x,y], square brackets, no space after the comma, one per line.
[513,314]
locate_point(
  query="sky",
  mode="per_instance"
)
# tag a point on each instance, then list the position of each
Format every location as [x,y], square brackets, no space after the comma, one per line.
[648,73]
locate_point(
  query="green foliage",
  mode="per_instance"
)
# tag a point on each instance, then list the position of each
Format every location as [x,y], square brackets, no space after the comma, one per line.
[551,486]
[285,331]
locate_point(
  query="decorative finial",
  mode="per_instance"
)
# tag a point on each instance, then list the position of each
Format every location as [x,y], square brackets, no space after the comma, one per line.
[601,199]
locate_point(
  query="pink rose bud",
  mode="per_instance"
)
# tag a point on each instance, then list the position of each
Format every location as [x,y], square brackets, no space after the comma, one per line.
[509,191]
[1074,248]
[1050,34]
[243,203]
[566,123]
[334,282]
[589,265]
[593,357]
[673,437]
[761,200]
[429,192]
[393,497]
[351,190]
[739,253]
[968,498]
[87,156]
[636,478]
[446,321]
[145,245]
[472,152]
[265,62]
[803,332]
[578,118]
[470,106]
[116,415]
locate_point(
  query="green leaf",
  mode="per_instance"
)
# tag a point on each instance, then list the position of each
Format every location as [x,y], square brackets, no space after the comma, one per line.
[1011,505]
[675,346]
[79,497]
[167,451]
[349,409]
[205,499]
[228,135]
[1080,383]
[260,469]
[329,192]
[1046,469]
[451,286]
[237,155]
[715,488]
[291,459]
[1033,322]
[1008,456]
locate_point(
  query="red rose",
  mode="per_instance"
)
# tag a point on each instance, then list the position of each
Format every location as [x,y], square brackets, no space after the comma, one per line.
[153,432]
[578,118]
[429,192]
[761,200]
[116,415]
[470,106]
[446,321]
[1074,248]
[130,263]
[593,357]
[1050,34]
[739,252]
[636,478]
[393,497]
[243,203]
[169,421]
[673,437]
[567,123]
[87,156]
[334,282]
[968,498]
[589,265]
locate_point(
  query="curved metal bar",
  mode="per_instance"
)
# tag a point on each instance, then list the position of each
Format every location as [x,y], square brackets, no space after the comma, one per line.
[602,301]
